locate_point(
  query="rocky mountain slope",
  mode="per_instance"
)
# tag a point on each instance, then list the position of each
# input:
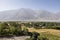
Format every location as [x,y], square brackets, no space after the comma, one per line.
[28,14]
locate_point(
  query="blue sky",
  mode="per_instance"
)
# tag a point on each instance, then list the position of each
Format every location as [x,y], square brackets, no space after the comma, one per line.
[49,5]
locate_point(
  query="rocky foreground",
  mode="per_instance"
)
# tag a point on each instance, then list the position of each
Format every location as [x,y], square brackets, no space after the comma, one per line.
[15,38]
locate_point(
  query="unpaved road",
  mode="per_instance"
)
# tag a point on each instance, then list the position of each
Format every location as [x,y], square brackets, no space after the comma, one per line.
[15,38]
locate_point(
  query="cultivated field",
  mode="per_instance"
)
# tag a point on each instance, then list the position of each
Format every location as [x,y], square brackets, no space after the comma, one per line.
[51,34]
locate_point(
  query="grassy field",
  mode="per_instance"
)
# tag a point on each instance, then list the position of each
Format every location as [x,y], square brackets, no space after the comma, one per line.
[51,34]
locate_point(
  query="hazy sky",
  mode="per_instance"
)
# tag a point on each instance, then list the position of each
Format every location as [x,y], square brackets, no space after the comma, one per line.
[49,5]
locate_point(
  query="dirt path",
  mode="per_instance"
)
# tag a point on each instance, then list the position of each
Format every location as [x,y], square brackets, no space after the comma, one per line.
[15,38]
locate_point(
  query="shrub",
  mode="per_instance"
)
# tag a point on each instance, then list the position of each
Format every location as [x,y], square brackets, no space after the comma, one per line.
[34,35]
[58,28]
[25,31]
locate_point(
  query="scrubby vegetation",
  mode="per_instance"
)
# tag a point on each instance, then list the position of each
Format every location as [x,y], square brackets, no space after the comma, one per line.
[22,29]
[11,29]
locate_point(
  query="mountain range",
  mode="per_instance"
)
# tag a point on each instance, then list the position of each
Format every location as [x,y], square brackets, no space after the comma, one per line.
[24,14]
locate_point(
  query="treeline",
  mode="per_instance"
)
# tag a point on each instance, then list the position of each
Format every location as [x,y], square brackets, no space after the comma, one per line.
[47,25]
